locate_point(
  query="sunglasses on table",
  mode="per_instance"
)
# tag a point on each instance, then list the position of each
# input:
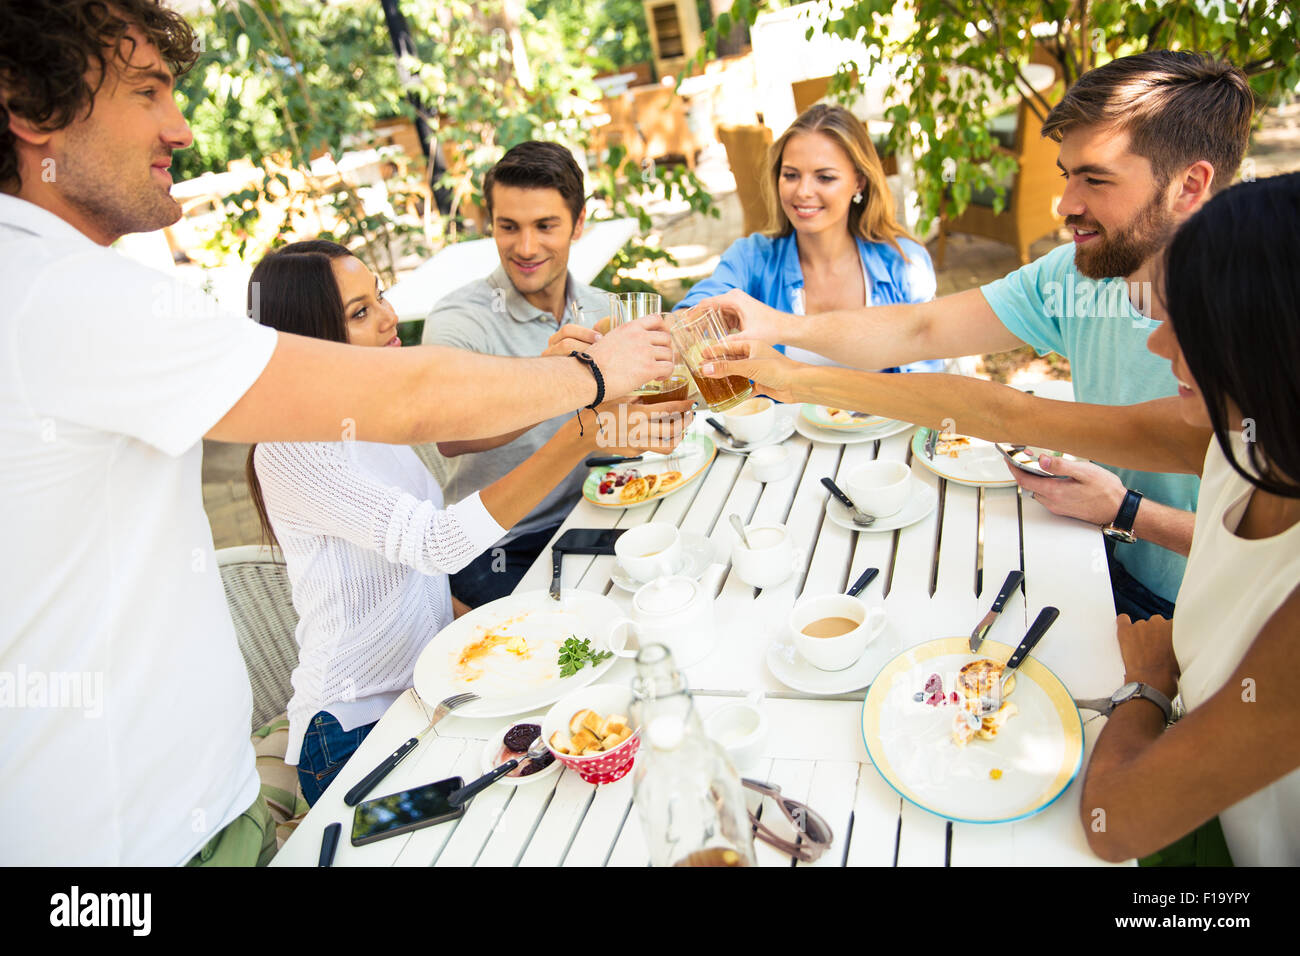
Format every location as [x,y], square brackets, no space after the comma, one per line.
[800,831]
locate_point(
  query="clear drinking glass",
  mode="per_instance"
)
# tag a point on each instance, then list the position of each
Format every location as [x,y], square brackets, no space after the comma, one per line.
[627,307]
[698,334]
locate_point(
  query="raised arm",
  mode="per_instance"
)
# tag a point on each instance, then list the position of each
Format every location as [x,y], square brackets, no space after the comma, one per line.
[877,336]
[313,390]
[1151,436]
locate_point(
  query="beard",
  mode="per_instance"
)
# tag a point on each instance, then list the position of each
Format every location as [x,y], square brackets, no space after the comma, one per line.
[1120,253]
[119,197]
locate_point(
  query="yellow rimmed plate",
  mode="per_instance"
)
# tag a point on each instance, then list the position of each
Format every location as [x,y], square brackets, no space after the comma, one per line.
[694,455]
[1022,771]
[839,419]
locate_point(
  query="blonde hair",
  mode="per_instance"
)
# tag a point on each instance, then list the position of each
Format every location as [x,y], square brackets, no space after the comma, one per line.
[872,219]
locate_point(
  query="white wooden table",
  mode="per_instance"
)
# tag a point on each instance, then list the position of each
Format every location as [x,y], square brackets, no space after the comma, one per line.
[815,752]
[450,268]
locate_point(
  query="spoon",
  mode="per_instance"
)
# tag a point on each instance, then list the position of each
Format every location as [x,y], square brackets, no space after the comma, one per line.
[735,442]
[457,797]
[740,529]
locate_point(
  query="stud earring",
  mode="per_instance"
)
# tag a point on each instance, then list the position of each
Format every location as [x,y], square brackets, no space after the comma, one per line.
[857,197]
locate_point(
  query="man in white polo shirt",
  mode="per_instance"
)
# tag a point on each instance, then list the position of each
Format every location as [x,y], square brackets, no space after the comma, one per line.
[124,699]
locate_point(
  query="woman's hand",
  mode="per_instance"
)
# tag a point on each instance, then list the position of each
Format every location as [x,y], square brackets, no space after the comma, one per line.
[772,373]
[752,320]
[1147,648]
[1091,494]
[631,428]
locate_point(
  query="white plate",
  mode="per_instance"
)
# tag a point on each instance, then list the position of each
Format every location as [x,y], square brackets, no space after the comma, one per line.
[813,433]
[496,743]
[789,667]
[978,464]
[920,502]
[1038,752]
[782,429]
[510,685]
[697,555]
[819,417]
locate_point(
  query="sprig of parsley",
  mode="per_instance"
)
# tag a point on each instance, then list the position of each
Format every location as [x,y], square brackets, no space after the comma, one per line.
[575,655]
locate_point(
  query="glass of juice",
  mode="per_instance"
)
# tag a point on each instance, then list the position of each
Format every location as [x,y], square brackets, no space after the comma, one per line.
[699,336]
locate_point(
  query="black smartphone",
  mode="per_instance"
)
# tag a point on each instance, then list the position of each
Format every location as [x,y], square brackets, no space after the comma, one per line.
[588,540]
[403,812]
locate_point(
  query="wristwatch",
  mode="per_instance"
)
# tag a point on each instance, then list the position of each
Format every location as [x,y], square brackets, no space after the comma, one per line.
[1130,691]
[1121,529]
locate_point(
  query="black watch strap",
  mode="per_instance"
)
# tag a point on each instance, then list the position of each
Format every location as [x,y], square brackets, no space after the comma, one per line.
[1128,510]
[588,361]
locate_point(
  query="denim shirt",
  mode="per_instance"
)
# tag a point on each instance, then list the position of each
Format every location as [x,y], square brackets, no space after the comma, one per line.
[768,269]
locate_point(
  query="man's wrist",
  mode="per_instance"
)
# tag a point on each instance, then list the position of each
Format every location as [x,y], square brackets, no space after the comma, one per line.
[1166,683]
[590,364]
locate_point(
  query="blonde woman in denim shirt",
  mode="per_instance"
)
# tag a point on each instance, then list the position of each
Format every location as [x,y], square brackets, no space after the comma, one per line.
[831,240]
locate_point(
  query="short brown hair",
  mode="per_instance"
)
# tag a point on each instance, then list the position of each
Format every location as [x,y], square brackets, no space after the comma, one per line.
[538,165]
[1178,108]
[48,50]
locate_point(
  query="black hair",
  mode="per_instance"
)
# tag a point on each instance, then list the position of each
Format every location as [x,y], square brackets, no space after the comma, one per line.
[538,165]
[293,289]
[1232,288]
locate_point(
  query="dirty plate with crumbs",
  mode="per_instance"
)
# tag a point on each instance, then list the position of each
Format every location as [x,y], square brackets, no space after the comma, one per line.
[507,652]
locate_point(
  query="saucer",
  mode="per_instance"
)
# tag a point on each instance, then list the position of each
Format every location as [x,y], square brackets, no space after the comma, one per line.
[494,745]
[789,667]
[830,437]
[697,555]
[782,429]
[920,502]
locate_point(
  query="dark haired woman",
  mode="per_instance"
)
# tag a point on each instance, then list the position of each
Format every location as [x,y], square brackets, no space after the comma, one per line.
[366,539]
[1232,296]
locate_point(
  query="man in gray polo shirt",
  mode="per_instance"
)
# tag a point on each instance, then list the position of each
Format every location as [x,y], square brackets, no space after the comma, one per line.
[535,200]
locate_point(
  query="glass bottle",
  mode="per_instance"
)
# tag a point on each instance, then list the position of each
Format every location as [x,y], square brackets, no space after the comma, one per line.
[689,796]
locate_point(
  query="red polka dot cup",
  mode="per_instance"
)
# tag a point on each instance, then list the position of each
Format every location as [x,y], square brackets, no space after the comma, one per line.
[604,699]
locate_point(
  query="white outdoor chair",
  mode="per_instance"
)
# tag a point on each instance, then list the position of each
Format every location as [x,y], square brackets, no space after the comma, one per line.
[257,591]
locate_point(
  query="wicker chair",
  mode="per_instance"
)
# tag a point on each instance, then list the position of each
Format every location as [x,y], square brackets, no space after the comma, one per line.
[257,591]
[746,148]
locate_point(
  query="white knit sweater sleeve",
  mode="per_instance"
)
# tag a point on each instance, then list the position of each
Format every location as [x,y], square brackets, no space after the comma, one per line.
[320,489]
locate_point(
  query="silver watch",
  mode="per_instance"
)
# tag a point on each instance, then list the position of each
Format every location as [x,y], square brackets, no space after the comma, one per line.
[1130,691]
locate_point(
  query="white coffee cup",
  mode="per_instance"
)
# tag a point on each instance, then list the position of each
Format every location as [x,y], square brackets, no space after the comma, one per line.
[649,551]
[741,728]
[752,419]
[769,561]
[843,650]
[771,463]
[879,488]
[675,611]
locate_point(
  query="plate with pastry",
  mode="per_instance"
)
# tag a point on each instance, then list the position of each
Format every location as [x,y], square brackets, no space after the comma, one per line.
[963,459]
[653,477]
[931,734]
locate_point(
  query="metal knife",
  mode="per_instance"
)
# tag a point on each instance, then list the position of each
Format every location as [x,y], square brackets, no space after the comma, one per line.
[596,461]
[981,631]
[557,556]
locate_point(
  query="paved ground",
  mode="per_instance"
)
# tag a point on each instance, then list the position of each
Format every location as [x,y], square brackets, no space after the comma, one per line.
[697,242]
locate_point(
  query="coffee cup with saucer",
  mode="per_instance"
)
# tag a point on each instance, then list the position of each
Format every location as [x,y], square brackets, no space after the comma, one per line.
[832,631]
[880,488]
[649,551]
[769,558]
[752,420]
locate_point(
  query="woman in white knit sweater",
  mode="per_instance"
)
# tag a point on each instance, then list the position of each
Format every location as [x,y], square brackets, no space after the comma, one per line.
[366,539]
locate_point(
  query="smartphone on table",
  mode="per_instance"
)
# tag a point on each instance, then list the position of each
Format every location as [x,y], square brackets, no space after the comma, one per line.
[588,540]
[403,812]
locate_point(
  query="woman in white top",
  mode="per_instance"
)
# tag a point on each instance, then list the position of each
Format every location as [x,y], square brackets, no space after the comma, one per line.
[1232,296]
[366,539]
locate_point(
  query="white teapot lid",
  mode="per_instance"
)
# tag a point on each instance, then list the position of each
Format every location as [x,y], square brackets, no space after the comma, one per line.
[666,595]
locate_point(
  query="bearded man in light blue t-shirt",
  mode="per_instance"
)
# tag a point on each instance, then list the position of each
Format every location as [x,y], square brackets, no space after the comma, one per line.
[1145,141]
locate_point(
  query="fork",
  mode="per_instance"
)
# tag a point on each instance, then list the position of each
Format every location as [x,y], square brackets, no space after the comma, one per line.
[931,443]
[355,795]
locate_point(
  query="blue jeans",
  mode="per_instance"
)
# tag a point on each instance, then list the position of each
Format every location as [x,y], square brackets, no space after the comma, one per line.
[326,747]
[1132,597]
[497,571]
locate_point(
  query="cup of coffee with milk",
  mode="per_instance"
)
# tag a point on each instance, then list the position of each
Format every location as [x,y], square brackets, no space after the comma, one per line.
[650,551]
[752,419]
[833,630]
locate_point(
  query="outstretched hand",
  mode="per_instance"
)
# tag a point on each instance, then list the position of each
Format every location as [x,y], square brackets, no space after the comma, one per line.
[750,320]
[771,372]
